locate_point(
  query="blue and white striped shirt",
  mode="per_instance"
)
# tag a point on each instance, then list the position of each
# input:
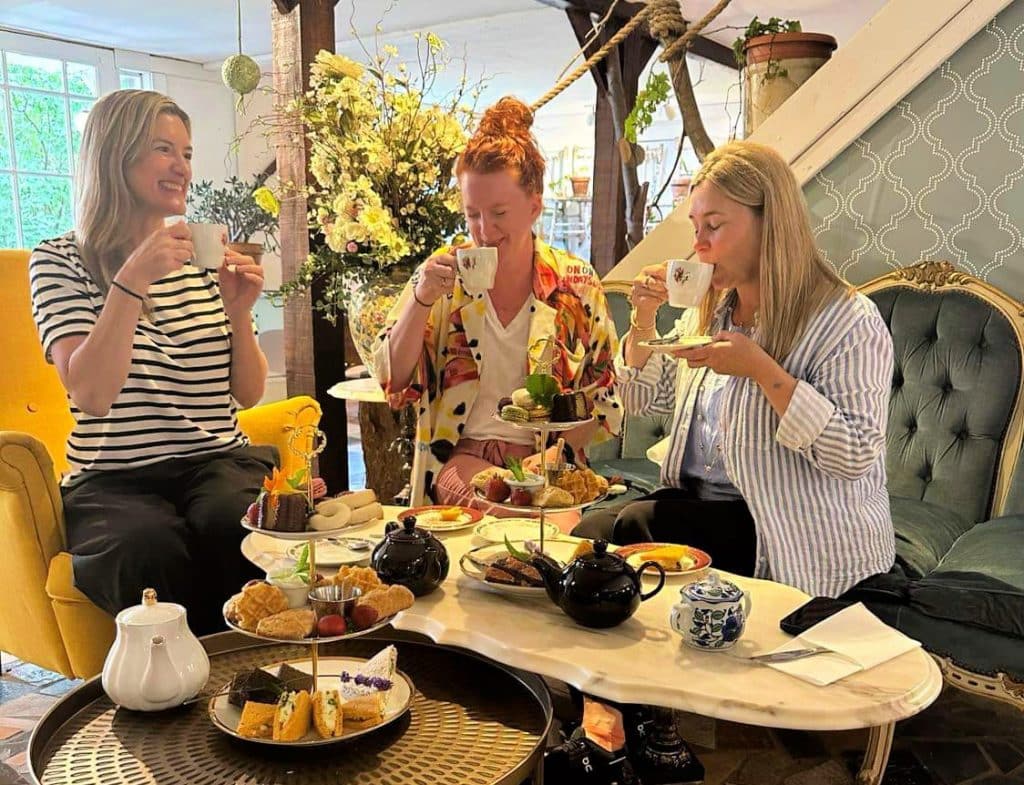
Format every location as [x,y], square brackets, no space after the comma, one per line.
[814,479]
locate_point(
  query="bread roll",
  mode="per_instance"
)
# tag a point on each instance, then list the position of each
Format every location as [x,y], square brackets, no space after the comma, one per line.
[356,499]
[367,513]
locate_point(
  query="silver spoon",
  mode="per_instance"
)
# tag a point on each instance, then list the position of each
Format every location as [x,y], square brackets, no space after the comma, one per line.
[353,543]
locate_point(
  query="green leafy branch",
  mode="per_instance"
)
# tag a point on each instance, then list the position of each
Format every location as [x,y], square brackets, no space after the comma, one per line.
[654,93]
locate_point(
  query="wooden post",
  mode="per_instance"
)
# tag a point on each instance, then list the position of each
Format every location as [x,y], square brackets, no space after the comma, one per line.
[608,216]
[314,348]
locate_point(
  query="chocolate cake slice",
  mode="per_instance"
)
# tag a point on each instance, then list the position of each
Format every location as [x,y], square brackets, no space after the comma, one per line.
[294,679]
[292,512]
[569,407]
[254,685]
[510,571]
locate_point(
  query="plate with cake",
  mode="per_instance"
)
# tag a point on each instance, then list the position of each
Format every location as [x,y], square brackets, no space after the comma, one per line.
[494,567]
[677,560]
[672,343]
[352,603]
[280,705]
[443,518]
[284,512]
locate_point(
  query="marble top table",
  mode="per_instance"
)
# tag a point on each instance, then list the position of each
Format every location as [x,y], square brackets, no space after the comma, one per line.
[644,661]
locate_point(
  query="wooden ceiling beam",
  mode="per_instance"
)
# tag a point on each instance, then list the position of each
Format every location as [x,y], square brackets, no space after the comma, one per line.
[286,6]
[624,11]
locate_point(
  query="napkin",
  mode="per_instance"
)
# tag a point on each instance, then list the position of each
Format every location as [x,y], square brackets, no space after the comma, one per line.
[857,640]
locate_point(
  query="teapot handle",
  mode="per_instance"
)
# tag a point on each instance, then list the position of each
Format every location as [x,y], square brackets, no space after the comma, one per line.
[661,578]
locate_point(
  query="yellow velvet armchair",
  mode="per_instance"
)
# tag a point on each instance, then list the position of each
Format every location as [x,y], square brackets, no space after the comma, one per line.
[44,619]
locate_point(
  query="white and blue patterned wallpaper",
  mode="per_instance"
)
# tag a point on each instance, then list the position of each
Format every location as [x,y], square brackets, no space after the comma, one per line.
[941,175]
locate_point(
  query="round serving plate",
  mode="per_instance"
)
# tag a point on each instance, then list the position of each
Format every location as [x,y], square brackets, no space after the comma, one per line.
[676,343]
[429,517]
[307,535]
[381,623]
[334,553]
[534,508]
[225,716]
[545,426]
[634,556]
[475,562]
[516,529]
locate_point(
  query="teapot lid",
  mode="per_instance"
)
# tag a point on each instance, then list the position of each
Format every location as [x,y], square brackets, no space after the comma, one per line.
[409,531]
[601,559]
[713,589]
[150,611]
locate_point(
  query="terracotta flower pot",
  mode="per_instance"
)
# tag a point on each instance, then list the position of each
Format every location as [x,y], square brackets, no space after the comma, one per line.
[680,188]
[580,186]
[255,250]
[777,65]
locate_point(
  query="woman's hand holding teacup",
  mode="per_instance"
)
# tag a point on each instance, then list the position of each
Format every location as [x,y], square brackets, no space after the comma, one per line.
[163,252]
[648,294]
[730,354]
[241,282]
[437,278]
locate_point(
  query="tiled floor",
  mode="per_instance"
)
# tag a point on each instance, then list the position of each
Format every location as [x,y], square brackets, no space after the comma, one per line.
[960,740]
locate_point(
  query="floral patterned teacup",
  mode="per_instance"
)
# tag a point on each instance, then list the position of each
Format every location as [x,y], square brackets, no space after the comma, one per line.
[711,613]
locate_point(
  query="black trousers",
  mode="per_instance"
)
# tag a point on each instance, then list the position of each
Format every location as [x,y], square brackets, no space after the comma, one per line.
[172,526]
[723,529]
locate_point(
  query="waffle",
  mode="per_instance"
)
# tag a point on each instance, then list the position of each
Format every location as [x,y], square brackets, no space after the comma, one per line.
[583,484]
[257,601]
[363,578]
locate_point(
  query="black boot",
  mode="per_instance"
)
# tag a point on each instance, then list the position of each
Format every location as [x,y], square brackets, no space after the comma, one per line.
[579,761]
[658,753]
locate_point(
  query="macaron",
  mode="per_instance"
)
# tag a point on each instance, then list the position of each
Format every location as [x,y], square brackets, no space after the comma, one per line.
[515,414]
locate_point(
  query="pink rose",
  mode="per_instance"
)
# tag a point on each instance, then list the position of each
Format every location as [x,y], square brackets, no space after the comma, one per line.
[351,247]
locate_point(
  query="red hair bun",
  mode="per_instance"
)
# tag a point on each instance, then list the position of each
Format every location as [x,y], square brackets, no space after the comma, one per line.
[503,142]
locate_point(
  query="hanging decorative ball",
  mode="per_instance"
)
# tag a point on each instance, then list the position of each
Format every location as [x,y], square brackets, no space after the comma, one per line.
[241,73]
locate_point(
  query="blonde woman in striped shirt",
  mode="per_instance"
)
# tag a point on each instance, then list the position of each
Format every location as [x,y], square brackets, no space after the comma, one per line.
[775,462]
[157,356]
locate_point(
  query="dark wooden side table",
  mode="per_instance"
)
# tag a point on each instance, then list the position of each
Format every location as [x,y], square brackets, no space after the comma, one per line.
[472,722]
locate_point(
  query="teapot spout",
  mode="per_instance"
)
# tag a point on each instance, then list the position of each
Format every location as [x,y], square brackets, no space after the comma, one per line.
[551,573]
[160,681]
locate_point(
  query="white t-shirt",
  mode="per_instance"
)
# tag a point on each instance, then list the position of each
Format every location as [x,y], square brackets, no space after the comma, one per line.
[502,369]
[177,398]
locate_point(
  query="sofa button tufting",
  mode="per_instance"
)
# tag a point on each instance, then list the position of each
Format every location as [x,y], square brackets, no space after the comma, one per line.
[32,407]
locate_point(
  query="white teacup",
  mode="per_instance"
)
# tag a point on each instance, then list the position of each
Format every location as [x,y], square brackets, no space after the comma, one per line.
[208,245]
[477,268]
[687,281]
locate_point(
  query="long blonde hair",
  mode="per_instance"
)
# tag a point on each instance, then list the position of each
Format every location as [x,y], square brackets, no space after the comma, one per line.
[795,281]
[118,132]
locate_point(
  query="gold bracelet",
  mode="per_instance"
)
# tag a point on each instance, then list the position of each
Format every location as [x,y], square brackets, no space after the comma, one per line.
[633,324]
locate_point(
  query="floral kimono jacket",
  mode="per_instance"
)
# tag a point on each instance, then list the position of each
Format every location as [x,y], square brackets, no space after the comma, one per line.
[570,306]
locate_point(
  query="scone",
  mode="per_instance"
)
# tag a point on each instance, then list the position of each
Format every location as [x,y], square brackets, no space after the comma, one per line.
[290,625]
[257,601]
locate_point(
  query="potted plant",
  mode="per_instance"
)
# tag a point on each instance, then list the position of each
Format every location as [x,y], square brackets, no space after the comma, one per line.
[382,196]
[776,57]
[580,182]
[234,206]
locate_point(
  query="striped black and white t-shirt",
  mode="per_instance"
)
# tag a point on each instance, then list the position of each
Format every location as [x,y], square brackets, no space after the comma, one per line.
[176,400]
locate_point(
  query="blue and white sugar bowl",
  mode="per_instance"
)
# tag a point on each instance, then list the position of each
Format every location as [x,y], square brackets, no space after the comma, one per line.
[710,613]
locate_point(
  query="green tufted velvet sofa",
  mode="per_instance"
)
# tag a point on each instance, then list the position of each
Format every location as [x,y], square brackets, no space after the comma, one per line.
[956,419]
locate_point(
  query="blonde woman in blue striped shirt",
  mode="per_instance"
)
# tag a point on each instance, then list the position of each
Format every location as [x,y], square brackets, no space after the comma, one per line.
[775,462]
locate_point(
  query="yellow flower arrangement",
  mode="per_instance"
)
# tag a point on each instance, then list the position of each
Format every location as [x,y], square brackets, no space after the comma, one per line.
[382,156]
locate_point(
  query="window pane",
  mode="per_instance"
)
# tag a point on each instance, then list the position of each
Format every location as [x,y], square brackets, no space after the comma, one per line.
[40,132]
[5,142]
[39,72]
[82,79]
[8,228]
[131,80]
[79,112]
[45,207]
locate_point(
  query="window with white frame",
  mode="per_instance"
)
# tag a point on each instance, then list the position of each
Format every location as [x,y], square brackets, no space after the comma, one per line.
[46,90]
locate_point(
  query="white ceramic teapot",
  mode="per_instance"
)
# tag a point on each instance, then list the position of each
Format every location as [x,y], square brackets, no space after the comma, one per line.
[156,662]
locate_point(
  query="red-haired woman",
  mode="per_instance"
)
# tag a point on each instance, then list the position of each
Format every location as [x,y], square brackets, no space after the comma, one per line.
[453,355]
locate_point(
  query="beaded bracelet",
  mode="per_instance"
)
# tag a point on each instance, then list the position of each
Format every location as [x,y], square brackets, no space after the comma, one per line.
[128,291]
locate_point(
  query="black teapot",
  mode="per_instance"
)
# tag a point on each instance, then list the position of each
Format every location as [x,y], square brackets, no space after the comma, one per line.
[596,589]
[410,556]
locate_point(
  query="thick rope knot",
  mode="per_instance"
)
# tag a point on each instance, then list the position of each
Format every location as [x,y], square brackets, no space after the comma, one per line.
[678,47]
[666,19]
